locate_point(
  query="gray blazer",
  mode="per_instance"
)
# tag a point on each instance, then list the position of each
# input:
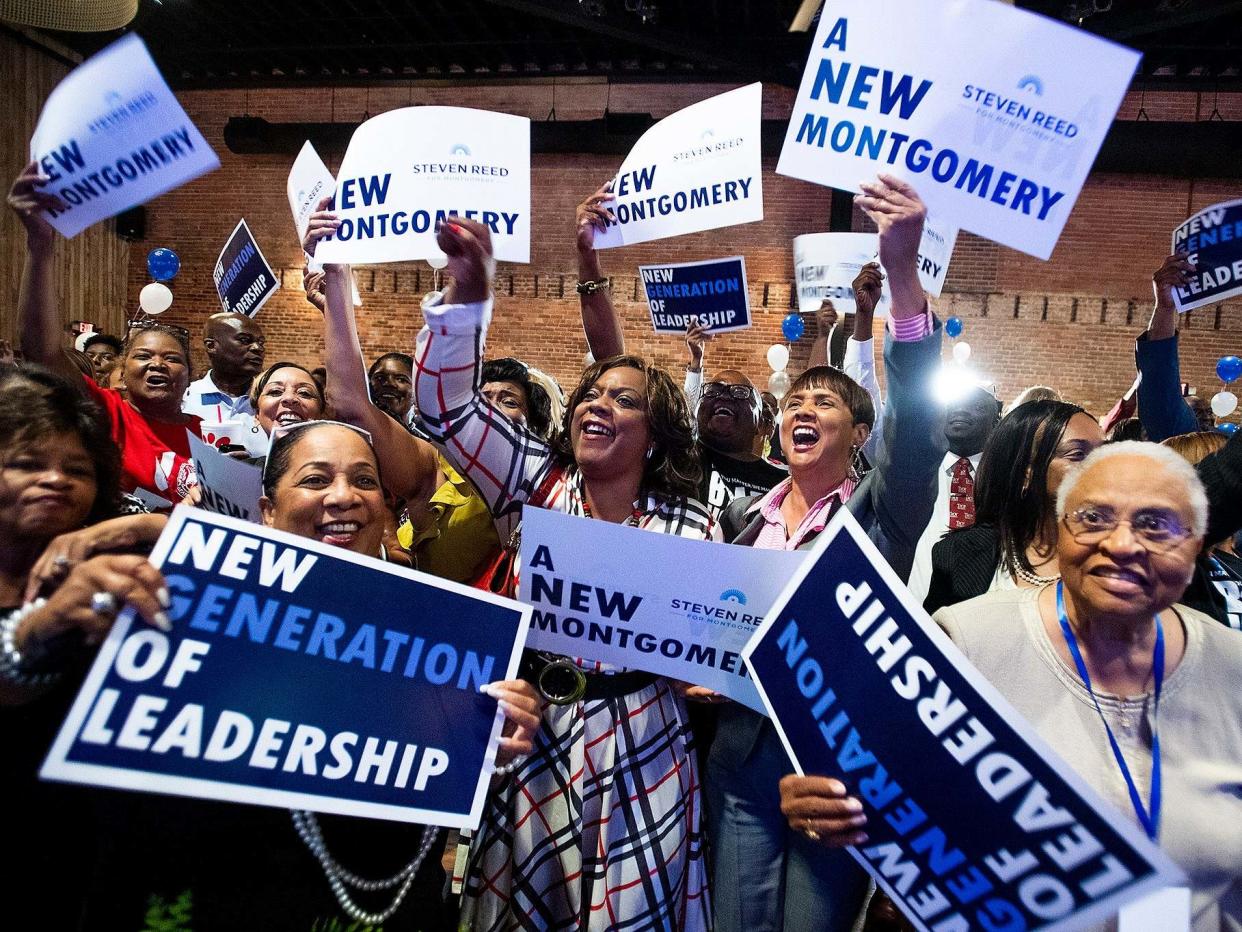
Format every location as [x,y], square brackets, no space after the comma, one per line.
[893,503]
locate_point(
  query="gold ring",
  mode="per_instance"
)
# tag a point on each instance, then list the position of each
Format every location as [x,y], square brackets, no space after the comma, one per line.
[810,832]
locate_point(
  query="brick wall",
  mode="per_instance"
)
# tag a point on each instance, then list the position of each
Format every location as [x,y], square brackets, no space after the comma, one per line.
[1068,322]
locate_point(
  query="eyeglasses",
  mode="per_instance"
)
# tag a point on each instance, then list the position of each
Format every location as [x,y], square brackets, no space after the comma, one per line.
[724,390]
[1157,531]
[148,323]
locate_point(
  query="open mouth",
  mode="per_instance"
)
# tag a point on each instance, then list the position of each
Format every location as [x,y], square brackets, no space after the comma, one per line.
[596,429]
[339,533]
[289,417]
[804,437]
[157,380]
[724,410]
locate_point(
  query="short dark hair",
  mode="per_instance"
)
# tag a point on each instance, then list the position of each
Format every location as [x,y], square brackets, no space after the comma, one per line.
[404,358]
[36,403]
[266,375]
[280,455]
[674,469]
[1011,489]
[180,334]
[538,405]
[856,398]
[96,339]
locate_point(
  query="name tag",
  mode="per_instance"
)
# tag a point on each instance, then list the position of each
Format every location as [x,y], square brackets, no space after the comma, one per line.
[1166,910]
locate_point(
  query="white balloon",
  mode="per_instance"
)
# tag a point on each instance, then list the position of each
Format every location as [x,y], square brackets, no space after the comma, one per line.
[438,261]
[778,383]
[961,351]
[155,298]
[1224,404]
[778,357]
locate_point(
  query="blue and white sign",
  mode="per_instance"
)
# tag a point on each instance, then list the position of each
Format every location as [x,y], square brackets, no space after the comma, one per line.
[646,611]
[407,170]
[697,169]
[309,183]
[712,291]
[244,280]
[112,136]
[973,820]
[994,114]
[278,686]
[1213,240]
[226,486]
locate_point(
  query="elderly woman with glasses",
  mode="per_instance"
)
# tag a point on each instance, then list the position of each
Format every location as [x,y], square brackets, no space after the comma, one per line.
[147,422]
[1135,691]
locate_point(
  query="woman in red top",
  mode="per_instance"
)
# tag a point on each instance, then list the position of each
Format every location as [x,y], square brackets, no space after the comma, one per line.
[147,423]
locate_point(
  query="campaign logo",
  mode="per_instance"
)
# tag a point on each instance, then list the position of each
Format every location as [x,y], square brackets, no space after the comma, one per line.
[460,150]
[460,161]
[1033,84]
[733,595]
[1017,111]
[707,146]
[120,111]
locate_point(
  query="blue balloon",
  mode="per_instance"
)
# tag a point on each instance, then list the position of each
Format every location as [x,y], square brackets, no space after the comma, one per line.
[163,264]
[793,327]
[953,327]
[1229,368]
[1227,428]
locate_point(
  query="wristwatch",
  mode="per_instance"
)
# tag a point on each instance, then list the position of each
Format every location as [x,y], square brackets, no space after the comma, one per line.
[599,284]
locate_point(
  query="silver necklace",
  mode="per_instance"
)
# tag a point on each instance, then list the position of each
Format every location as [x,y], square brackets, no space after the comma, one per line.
[307,826]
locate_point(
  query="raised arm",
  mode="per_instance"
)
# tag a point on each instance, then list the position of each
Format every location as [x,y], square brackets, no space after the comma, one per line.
[37,323]
[859,361]
[1161,408]
[506,462]
[599,315]
[826,322]
[696,338]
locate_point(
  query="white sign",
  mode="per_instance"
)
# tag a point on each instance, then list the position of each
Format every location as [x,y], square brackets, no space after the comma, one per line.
[112,136]
[228,486]
[646,611]
[825,265]
[697,169]
[407,170]
[993,113]
[309,183]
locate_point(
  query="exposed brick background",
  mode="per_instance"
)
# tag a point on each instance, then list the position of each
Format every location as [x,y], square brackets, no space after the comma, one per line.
[1068,322]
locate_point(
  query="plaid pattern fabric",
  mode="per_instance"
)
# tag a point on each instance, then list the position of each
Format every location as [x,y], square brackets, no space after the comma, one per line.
[600,828]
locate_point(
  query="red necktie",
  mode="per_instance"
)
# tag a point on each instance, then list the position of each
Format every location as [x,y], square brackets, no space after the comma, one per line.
[961,496]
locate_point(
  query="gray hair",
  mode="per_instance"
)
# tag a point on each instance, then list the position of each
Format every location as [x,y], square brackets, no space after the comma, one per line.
[1162,456]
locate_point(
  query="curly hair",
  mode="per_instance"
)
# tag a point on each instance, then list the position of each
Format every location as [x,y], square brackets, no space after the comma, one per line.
[673,470]
[36,403]
[180,334]
[538,404]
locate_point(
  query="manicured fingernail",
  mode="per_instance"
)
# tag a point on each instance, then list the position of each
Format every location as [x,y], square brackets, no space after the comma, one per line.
[454,227]
[858,820]
[162,621]
[853,805]
[486,689]
[164,597]
[860,838]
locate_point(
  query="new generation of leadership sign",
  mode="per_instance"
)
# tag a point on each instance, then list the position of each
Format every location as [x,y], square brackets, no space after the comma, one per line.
[278,686]
[407,170]
[112,136]
[994,114]
[973,821]
[645,611]
[244,280]
[1213,240]
[712,291]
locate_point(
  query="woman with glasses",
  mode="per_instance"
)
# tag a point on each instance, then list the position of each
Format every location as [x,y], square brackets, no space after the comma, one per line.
[600,827]
[1106,661]
[1012,543]
[147,422]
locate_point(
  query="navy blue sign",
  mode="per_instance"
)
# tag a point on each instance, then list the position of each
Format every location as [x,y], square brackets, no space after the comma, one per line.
[297,675]
[713,291]
[972,820]
[1213,239]
[244,280]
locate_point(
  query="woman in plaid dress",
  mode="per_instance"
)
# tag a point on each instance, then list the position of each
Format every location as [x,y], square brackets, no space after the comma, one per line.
[599,828]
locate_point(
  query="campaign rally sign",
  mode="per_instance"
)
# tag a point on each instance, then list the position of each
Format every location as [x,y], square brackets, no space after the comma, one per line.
[973,822]
[309,182]
[697,169]
[994,114]
[227,486]
[1213,240]
[244,280]
[278,686]
[407,170]
[646,612]
[712,291]
[112,136]
[826,264]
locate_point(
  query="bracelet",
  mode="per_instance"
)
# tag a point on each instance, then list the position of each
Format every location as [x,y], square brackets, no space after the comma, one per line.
[510,767]
[598,284]
[11,659]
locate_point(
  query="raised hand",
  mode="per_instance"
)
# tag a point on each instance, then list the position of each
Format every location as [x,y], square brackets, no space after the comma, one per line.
[593,214]
[322,223]
[468,245]
[696,336]
[898,211]
[826,317]
[1174,272]
[29,202]
[867,286]
[313,285]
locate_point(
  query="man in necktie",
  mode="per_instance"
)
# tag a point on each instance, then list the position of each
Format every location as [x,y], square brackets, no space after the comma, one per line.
[962,494]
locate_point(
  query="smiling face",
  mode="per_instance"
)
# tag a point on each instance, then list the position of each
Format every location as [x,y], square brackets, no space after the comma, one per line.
[392,387]
[290,396]
[1117,575]
[509,398]
[330,492]
[1081,435]
[727,423]
[47,487]
[156,373]
[609,430]
[817,432]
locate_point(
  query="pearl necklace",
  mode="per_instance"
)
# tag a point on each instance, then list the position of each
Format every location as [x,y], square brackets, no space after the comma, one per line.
[338,877]
[1034,578]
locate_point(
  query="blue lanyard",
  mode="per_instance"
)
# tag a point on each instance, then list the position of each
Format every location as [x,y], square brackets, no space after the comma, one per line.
[1149,820]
